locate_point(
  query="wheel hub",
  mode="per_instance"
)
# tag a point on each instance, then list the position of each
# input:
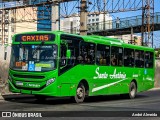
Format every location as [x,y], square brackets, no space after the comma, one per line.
[80,92]
[133,91]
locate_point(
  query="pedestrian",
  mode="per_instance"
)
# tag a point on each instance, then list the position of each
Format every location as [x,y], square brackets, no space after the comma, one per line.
[117,22]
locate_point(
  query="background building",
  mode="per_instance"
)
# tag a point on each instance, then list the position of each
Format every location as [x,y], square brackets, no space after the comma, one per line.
[4,26]
[44,14]
[95,22]
[44,18]
[26,21]
[71,24]
[9,27]
[134,39]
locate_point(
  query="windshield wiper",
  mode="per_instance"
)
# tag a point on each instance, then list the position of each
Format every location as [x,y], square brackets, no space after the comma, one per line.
[35,51]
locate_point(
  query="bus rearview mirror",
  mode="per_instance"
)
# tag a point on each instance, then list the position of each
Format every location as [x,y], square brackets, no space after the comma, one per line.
[68,54]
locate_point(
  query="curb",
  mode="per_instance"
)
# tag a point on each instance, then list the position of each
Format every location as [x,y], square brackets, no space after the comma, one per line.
[14,96]
[1,97]
[7,94]
[153,89]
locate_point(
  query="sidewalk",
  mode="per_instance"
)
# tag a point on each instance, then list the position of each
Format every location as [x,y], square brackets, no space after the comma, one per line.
[21,96]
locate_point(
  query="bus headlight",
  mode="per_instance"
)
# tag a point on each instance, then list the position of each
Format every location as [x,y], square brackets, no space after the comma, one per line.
[50,81]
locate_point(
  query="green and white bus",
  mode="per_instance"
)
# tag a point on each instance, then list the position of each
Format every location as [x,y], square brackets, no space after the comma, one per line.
[59,64]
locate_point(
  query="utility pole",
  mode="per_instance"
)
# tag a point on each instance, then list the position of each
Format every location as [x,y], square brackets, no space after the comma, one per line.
[83,17]
[132,35]
[147,22]
[71,31]
[104,15]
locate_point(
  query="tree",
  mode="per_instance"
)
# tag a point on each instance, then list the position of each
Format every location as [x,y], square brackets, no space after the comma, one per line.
[158,53]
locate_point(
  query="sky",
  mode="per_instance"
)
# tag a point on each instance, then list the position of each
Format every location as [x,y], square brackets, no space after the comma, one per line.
[134,13]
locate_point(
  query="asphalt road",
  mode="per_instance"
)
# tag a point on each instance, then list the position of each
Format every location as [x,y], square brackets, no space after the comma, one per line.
[147,101]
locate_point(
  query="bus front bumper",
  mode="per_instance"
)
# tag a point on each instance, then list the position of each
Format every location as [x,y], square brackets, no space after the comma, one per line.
[47,91]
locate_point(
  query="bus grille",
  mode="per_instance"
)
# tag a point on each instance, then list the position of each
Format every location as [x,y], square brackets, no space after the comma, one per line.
[24,88]
[28,76]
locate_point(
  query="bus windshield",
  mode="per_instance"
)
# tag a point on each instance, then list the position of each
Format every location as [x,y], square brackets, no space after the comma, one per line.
[33,57]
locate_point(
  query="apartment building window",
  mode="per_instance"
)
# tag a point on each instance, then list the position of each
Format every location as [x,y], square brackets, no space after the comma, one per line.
[6,40]
[97,15]
[6,30]
[6,22]
[97,28]
[6,17]
[6,12]
[12,29]
[97,19]
[93,20]
[89,20]
[12,20]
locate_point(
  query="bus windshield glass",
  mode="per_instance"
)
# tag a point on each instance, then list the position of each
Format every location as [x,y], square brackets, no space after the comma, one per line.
[33,57]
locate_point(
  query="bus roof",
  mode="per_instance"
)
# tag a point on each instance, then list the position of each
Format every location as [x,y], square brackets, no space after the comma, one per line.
[107,40]
[95,39]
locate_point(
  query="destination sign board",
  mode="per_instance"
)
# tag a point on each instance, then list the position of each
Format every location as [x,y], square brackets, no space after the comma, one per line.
[34,37]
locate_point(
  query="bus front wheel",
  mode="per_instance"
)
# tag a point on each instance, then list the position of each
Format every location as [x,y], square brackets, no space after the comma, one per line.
[80,94]
[132,90]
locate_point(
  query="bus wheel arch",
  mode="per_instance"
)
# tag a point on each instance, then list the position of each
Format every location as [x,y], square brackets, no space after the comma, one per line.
[133,89]
[81,92]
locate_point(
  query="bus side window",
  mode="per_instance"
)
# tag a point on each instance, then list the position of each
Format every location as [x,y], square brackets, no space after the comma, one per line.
[139,58]
[128,57]
[103,55]
[116,56]
[149,59]
[87,53]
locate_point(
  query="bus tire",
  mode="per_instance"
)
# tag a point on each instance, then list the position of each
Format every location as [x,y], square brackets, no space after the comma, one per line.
[80,93]
[132,90]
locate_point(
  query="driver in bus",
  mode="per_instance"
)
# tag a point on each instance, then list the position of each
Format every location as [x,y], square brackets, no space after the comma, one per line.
[47,56]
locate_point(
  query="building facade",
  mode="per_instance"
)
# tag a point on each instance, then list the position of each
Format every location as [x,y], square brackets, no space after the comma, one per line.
[99,21]
[71,24]
[5,27]
[16,21]
[130,39]
[95,22]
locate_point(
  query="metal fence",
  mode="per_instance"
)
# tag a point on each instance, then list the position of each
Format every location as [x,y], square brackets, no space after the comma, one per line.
[123,23]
